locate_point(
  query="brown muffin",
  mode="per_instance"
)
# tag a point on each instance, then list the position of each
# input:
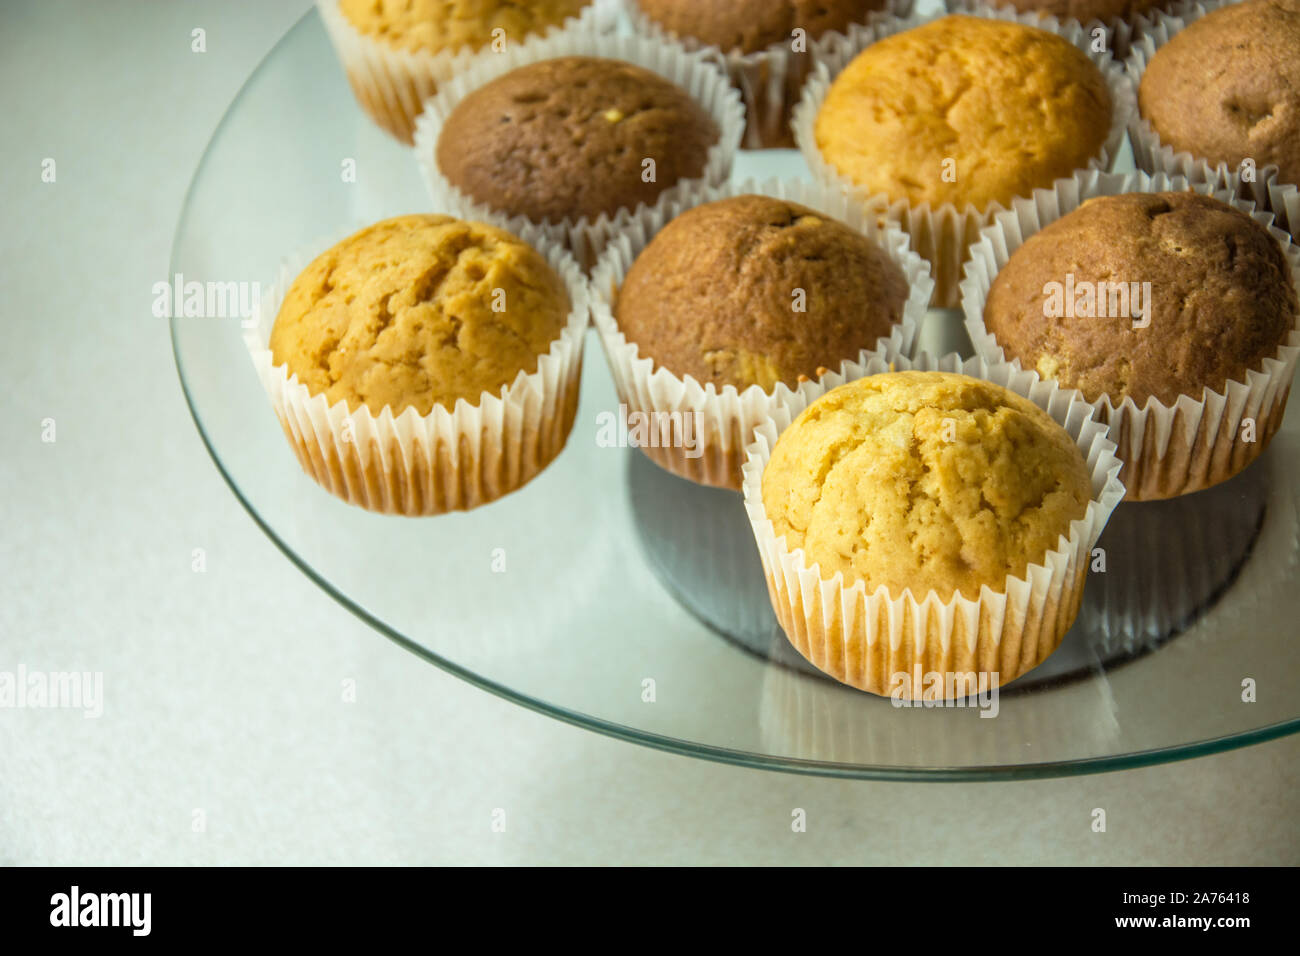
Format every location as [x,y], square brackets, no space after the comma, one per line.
[1221,297]
[1227,87]
[569,138]
[752,25]
[1087,10]
[714,294]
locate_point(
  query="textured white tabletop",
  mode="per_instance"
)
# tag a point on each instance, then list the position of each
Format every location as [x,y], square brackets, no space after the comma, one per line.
[223,737]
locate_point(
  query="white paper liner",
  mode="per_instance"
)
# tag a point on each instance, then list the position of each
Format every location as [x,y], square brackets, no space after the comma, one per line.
[1120,31]
[391,85]
[1167,450]
[412,464]
[865,639]
[724,419]
[1263,185]
[586,237]
[943,234]
[770,79]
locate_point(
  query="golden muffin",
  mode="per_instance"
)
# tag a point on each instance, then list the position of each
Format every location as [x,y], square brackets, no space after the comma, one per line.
[928,481]
[434,25]
[964,110]
[419,311]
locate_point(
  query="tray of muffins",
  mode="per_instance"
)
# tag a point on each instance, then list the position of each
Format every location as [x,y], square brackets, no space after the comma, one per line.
[863,387]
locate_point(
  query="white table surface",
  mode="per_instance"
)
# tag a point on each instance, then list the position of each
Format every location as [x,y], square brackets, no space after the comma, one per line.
[222,689]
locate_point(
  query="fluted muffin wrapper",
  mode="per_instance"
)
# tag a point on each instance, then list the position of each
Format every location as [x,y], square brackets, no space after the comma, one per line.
[412,464]
[586,237]
[1167,449]
[769,80]
[868,639]
[1120,31]
[1263,185]
[942,234]
[391,85]
[724,418]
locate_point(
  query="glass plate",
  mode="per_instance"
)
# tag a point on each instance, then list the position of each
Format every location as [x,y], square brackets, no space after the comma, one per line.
[631,603]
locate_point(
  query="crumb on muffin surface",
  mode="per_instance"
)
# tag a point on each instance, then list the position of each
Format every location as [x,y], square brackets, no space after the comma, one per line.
[964,110]
[925,480]
[401,314]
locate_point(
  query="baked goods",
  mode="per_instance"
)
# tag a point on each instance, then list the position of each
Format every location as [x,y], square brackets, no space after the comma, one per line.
[401,315]
[723,329]
[928,481]
[396,53]
[1220,297]
[1174,313]
[1086,11]
[748,26]
[433,25]
[426,364]
[1227,87]
[755,290]
[925,529]
[569,138]
[1002,106]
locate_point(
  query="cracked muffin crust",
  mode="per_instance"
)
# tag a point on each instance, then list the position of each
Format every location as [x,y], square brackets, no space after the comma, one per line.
[1220,288]
[964,110]
[748,26]
[569,138]
[419,311]
[924,480]
[434,25]
[714,293]
[1227,87]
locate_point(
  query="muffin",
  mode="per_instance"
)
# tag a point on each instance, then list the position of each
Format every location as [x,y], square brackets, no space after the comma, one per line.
[756,41]
[569,138]
[576,135]
[1154,303]
[944,121]
[426,364]
[715,294]
[396,52]
[713,314]
[899,494]
[1227,87]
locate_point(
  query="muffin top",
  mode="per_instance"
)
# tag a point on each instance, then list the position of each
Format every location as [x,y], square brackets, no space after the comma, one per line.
[1227,87]
[753,290]
[401,314]
[572,137]
[433,25]
[925,480]
[1087,10]
[1220,290]
[964,110]
[752,25]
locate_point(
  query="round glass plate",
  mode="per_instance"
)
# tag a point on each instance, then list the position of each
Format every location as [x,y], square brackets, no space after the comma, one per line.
[612,595]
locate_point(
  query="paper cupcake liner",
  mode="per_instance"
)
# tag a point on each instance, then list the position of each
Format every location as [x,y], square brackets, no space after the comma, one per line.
[1263,185]
[867,640]
[587,237]
[944,233]
[412,464]
[771,79]
[724,419]
[391,85]
[1167,450]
